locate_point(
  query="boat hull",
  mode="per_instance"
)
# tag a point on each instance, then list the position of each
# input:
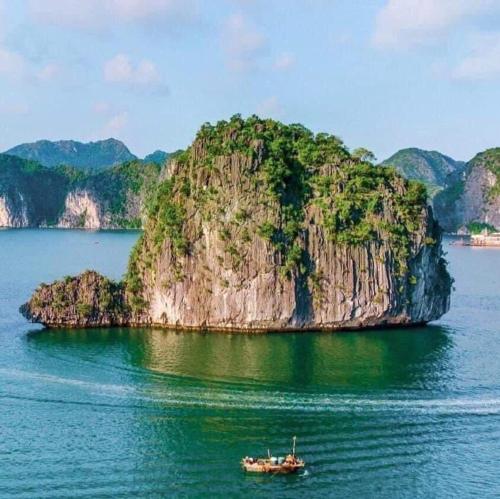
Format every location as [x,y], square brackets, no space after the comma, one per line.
[272,468]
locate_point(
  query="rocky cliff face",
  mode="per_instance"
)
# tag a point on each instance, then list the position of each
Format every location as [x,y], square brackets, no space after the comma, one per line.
[473,196]
[13,211]
[82,210]
[262,226]
[113,198]
[91,209]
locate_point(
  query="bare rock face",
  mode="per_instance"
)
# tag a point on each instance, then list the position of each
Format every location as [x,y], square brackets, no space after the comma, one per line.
[479,199]
[13,211]
[474,196]
[111,199]
[82,210]
[260,226]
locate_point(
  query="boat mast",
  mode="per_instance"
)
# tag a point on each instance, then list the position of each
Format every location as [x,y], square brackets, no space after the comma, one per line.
[293,446]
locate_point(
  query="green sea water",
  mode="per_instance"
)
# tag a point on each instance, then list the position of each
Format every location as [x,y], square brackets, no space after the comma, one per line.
[154,413]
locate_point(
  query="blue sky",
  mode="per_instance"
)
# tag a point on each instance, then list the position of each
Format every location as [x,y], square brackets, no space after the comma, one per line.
[383,74]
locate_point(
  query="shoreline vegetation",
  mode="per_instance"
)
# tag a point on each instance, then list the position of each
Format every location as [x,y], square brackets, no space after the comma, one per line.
[264,226]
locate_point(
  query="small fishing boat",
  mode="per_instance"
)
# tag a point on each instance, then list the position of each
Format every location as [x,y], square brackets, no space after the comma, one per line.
[289,464]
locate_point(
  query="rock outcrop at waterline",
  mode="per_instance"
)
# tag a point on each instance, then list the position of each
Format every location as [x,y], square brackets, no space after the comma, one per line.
[262,226]
[88,300]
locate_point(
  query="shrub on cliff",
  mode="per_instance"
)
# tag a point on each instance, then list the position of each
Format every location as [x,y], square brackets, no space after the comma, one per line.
[294,168]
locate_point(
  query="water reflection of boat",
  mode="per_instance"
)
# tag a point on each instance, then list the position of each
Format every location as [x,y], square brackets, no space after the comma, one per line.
[289,464]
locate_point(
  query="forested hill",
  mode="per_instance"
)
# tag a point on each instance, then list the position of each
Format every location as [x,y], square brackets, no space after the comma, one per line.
[159,157]
[430,167]
[89,156]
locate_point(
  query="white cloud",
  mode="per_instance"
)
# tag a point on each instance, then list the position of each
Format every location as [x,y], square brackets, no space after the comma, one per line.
[284,61]
[243,43]
[115,125]
[483,61]
[15,66]
[73,13]
[146,73]
[116,118]
[12,64]
[120,69]
[406,23]
[270,107]
[100,14]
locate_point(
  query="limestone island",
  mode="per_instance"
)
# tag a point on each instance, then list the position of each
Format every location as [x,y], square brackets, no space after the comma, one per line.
[261,226]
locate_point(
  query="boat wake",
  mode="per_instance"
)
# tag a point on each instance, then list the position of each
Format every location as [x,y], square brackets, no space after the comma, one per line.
[170,395]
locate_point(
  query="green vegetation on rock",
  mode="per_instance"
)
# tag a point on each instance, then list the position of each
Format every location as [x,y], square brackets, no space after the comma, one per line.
[119,187]
[472,195]
[490,159]
[478,227]
[85,300]
[289,170]
[34,193]
[158,157]
[429,167]
[260,225]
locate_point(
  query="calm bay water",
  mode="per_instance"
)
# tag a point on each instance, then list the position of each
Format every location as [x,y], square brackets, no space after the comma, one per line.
[133,412]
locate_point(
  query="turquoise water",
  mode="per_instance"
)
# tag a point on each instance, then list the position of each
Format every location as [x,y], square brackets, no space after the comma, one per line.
[152,413]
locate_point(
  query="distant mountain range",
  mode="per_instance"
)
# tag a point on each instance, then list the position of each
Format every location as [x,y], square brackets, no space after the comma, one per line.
[103,185]
[88,156]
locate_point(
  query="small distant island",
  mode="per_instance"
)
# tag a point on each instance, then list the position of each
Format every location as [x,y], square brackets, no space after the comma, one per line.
[261,226]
